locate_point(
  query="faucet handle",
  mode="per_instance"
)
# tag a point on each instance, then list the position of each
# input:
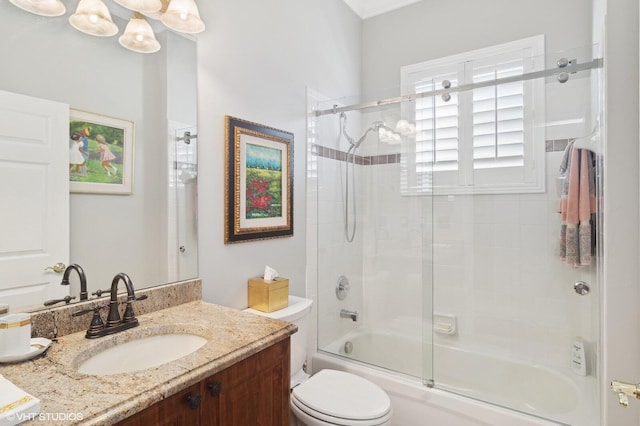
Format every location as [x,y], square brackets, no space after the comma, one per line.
[95,310]
[97,324]
[99,293]
[129,315]
[65,299]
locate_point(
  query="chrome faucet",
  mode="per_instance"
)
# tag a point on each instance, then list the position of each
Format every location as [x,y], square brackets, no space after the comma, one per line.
[352,315]
[114,323]
[83,280]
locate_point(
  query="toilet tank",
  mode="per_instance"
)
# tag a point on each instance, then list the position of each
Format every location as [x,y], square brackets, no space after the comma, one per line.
[297,313]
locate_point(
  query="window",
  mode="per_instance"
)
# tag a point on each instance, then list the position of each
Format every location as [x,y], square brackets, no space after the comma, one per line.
[485,140]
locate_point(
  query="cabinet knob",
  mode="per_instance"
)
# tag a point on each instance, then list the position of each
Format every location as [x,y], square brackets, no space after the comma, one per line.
[214,388]
[194,400]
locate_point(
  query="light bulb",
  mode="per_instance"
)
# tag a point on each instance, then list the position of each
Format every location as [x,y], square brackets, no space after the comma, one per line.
[138,36]
[183,16]
[92,17]
[41,7]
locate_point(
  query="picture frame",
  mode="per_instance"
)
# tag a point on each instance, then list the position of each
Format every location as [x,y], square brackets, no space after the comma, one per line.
[100,153]
[258,182]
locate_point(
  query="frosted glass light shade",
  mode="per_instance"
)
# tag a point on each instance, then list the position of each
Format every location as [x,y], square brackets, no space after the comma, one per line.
[143,6]
[138,36]
[183,16]
[41,7]
[92,17]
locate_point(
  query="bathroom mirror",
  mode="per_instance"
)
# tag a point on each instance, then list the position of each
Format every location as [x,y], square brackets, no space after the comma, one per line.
[151,233]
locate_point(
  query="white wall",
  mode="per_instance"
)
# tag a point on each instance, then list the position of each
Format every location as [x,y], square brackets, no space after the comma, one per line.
[255,61]
[621,272]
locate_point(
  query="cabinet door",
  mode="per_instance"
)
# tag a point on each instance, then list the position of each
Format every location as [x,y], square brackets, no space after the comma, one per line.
[254,391]
[181,409]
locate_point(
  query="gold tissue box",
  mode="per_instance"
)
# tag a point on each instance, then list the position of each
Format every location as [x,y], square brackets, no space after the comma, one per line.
[268,296]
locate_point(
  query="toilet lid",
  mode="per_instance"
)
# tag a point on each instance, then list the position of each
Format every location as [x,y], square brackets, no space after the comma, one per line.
[343,395]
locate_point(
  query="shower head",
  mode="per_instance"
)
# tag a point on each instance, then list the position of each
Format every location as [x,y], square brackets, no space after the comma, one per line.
[376,126]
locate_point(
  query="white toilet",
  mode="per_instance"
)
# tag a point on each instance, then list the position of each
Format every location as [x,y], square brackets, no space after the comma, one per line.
[329,397]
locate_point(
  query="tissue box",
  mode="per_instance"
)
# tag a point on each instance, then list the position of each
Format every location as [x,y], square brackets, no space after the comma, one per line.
[268,296]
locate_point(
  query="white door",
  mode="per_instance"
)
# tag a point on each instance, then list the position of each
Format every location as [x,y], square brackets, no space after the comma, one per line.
[34,194]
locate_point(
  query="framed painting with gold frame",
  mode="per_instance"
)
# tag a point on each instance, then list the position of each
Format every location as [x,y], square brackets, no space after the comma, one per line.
[258,182]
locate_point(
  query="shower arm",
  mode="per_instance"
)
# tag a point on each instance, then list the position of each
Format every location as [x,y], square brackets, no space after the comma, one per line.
[375,126]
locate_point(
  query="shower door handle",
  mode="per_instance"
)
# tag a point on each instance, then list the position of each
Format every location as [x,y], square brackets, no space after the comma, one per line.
[625,390]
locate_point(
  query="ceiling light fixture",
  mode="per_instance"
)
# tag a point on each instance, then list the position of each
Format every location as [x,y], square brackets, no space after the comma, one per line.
[183,16]
[41,7]
[138,36]
[142,6]
[93,17]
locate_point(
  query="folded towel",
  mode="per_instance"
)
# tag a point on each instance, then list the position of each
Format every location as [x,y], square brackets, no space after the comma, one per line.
[577,206]
[16,406]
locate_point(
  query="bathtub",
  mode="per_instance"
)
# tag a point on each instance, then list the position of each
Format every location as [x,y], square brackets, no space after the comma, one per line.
[534,393]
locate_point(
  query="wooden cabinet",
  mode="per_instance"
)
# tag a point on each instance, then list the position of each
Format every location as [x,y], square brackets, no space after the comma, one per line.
[172,411]
[254,391]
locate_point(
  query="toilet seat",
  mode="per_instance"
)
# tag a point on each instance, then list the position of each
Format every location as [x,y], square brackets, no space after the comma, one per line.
[342,398]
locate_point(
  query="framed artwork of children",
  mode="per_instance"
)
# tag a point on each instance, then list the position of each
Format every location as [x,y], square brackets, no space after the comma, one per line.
[100,153]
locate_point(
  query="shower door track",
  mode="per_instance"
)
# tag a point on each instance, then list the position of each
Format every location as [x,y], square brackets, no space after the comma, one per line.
[571,68]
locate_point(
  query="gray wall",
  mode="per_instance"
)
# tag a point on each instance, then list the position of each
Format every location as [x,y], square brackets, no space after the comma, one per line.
[255,61]
[432,29]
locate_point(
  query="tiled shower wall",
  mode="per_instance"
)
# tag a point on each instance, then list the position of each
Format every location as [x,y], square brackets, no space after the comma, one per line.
[489,260]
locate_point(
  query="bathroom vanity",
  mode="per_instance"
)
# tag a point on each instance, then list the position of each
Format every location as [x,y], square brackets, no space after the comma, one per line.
[241,374]
[253,391]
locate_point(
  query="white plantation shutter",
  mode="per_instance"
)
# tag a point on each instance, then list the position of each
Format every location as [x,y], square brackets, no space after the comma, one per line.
[480,141]
[437,121]
[498,119]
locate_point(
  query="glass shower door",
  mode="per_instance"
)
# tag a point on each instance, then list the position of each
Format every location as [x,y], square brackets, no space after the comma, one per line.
[516,283]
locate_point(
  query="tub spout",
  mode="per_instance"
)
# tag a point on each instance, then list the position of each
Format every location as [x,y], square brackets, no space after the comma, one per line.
[352,315]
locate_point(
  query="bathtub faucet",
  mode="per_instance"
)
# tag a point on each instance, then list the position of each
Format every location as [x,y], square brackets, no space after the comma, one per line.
[352,315]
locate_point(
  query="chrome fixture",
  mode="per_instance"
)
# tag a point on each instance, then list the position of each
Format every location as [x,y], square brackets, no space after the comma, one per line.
[446,96]
[625,390]
[376,126]
[342,288]
[348,347]
[65,299]
[94,18]
[83,280]
[114,324]
[570,68]
[187,137]
[582,288]
[352,315]
[563,77]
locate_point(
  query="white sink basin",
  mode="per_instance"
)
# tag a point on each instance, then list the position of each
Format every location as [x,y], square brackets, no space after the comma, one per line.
[142,354]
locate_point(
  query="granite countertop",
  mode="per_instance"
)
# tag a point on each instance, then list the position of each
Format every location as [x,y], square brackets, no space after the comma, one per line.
[75,398]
